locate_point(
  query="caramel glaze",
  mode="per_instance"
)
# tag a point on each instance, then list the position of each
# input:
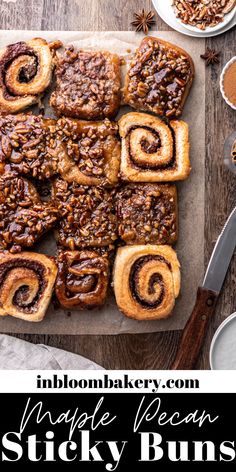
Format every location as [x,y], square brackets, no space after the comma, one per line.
[82,279]
[42,147]
[87,84]
[27,145]
[23,217]
[147,213]
[159,78]
[155,278]
[87,215]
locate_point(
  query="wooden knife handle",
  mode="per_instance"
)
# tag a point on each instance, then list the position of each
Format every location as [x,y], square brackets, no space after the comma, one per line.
[195,330]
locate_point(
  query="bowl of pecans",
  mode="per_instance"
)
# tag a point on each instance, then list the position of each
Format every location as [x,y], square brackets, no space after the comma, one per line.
[204,15]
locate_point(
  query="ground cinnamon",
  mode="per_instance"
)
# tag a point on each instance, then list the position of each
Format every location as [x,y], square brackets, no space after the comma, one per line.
[230,83]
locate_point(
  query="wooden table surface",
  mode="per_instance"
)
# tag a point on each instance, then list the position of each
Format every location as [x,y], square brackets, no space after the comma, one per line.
[149,351]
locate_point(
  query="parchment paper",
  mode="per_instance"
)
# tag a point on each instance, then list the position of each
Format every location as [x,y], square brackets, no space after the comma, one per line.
[190,247]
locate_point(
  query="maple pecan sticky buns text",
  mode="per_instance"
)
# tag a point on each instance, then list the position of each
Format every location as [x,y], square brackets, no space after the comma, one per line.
[26,285]
[83,278]
[146,281]
[152,150]
[25,73]
[159,78]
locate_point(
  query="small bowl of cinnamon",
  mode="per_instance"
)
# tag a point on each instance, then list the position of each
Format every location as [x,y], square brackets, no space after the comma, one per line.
[228,83]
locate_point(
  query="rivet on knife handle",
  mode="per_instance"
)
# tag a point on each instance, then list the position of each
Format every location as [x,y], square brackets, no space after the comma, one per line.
[195,330]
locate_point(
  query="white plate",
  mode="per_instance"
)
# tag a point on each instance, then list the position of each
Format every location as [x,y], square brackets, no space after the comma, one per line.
[165,10]
[210,29]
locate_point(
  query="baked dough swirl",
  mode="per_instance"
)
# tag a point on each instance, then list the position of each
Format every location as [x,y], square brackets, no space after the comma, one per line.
[82,280]
[146,281]
[152,150]
[26,285]
[25,73]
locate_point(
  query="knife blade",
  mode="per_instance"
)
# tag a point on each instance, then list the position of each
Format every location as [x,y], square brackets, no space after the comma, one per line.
[221,255]
[207,295]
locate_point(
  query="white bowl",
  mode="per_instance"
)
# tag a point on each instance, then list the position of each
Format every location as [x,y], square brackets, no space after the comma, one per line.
[227,18]
[222,82]
[165,10]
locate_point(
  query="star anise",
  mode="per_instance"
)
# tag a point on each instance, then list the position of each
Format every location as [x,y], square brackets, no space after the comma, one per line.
[144,20]
[211,56]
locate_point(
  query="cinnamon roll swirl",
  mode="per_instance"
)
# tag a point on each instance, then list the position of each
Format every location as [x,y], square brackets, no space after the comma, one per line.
[25,73]
[152,150]
[146,281]
[82,280]
[26,285]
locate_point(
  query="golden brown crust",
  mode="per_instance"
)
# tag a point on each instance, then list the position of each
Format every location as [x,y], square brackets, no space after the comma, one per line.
[25,73]
[26,285]
[90,154]
[82,280]
[88,216]
[88,84]
[159,78]
[146,281]
[152,150]
[147,213]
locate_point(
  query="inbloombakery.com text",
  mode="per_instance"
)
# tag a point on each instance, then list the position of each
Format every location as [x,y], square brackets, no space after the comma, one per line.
[124,382]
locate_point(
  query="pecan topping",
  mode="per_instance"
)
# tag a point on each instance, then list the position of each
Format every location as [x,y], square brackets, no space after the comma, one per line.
[26,144]
[159,78]
[87,153]
[203,13]
[91,151]
[23,217]
[147,214]
[88,215]
[87,84]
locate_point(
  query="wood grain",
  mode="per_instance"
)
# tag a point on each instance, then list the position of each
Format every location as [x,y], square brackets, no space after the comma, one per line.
[149,351]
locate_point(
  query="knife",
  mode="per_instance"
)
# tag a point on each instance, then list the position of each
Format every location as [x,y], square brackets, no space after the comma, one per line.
[207,295]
